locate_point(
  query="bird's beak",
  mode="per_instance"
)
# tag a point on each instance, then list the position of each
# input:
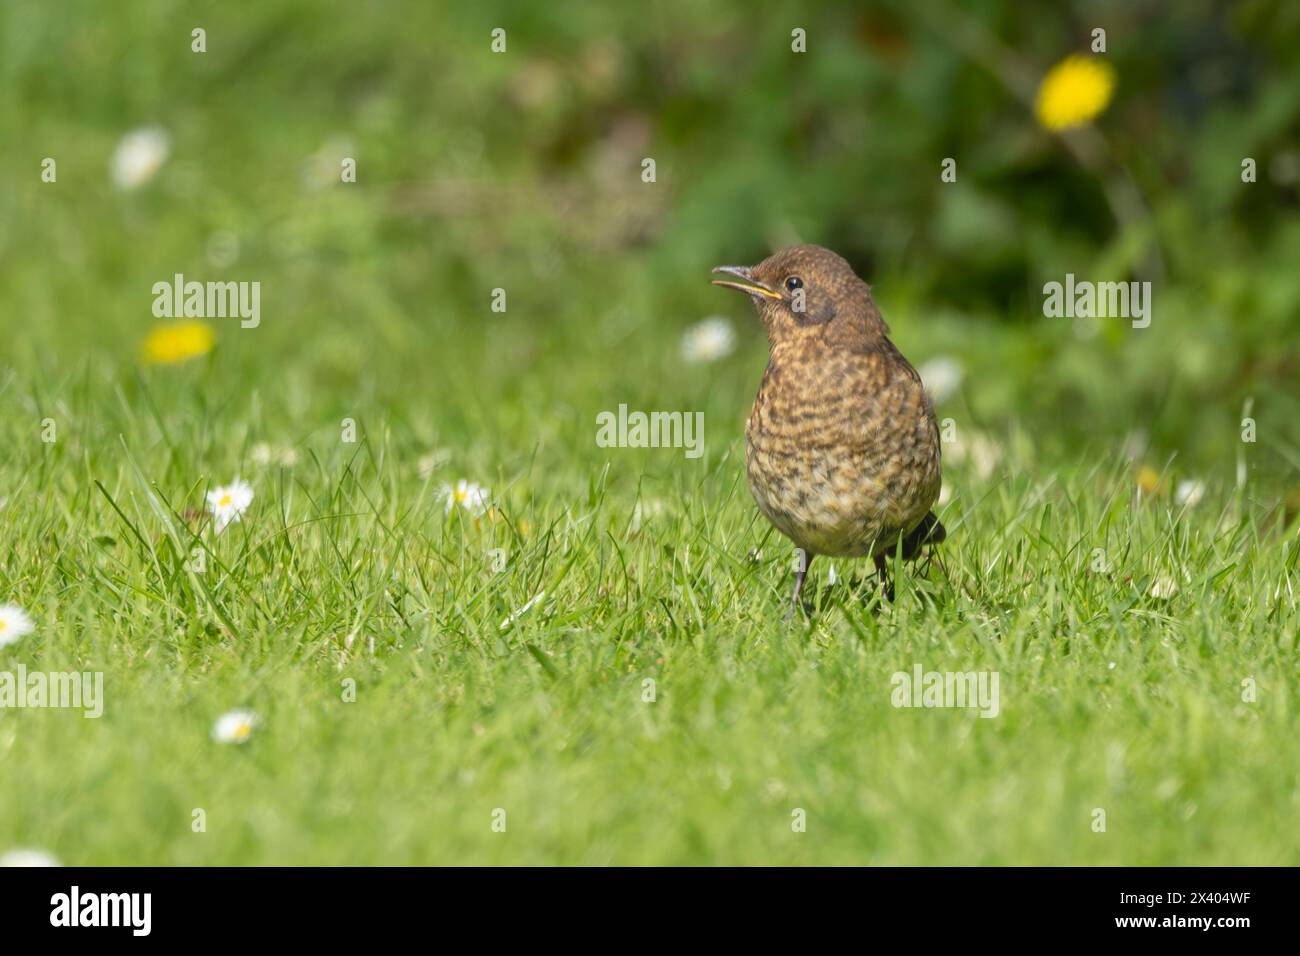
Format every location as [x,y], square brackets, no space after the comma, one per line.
[751,286]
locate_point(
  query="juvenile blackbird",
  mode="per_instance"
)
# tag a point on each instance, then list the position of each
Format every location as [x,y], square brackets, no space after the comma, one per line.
[842,448]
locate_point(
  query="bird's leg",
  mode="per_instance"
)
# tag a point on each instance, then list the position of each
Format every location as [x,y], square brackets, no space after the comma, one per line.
[882,569]
[800,573]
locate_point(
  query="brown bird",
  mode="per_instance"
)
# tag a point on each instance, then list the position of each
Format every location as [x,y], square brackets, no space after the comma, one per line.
[842,448]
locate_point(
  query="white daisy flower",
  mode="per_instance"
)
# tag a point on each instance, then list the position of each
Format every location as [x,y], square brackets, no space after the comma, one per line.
[234,727]
[644,511]
[977,449]
[1164,588]
[229,502]
[14,623]
[708,340]
[473,498]
[942,376]
[24,856]
[1135,445]
[266,454]
[138,157]
[1188,494]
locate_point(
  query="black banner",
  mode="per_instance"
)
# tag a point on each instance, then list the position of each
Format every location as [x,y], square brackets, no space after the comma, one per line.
[337,905]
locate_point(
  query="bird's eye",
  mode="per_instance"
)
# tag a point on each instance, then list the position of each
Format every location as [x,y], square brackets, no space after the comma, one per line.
[794,282]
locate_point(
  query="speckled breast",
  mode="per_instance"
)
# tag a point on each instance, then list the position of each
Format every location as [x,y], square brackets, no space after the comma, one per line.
[842,452]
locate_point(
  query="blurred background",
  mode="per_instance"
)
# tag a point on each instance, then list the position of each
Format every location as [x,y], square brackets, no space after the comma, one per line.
[523,170]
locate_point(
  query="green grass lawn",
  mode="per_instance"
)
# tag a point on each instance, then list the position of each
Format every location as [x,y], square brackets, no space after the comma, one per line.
[638,565]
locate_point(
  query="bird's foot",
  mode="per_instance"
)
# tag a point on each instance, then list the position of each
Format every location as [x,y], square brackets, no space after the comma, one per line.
[886,583]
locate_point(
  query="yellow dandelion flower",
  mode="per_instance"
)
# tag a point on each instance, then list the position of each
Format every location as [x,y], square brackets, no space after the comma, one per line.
[1074,92]
[1149,481]
[177,342]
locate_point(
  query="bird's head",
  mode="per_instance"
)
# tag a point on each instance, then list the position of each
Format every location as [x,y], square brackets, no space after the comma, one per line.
[806,289]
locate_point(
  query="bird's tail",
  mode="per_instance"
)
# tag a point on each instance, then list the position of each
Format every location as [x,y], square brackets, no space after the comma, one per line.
[930,530]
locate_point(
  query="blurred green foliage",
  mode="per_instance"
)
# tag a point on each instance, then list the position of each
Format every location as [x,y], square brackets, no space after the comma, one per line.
[522,171]
[1124,624]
